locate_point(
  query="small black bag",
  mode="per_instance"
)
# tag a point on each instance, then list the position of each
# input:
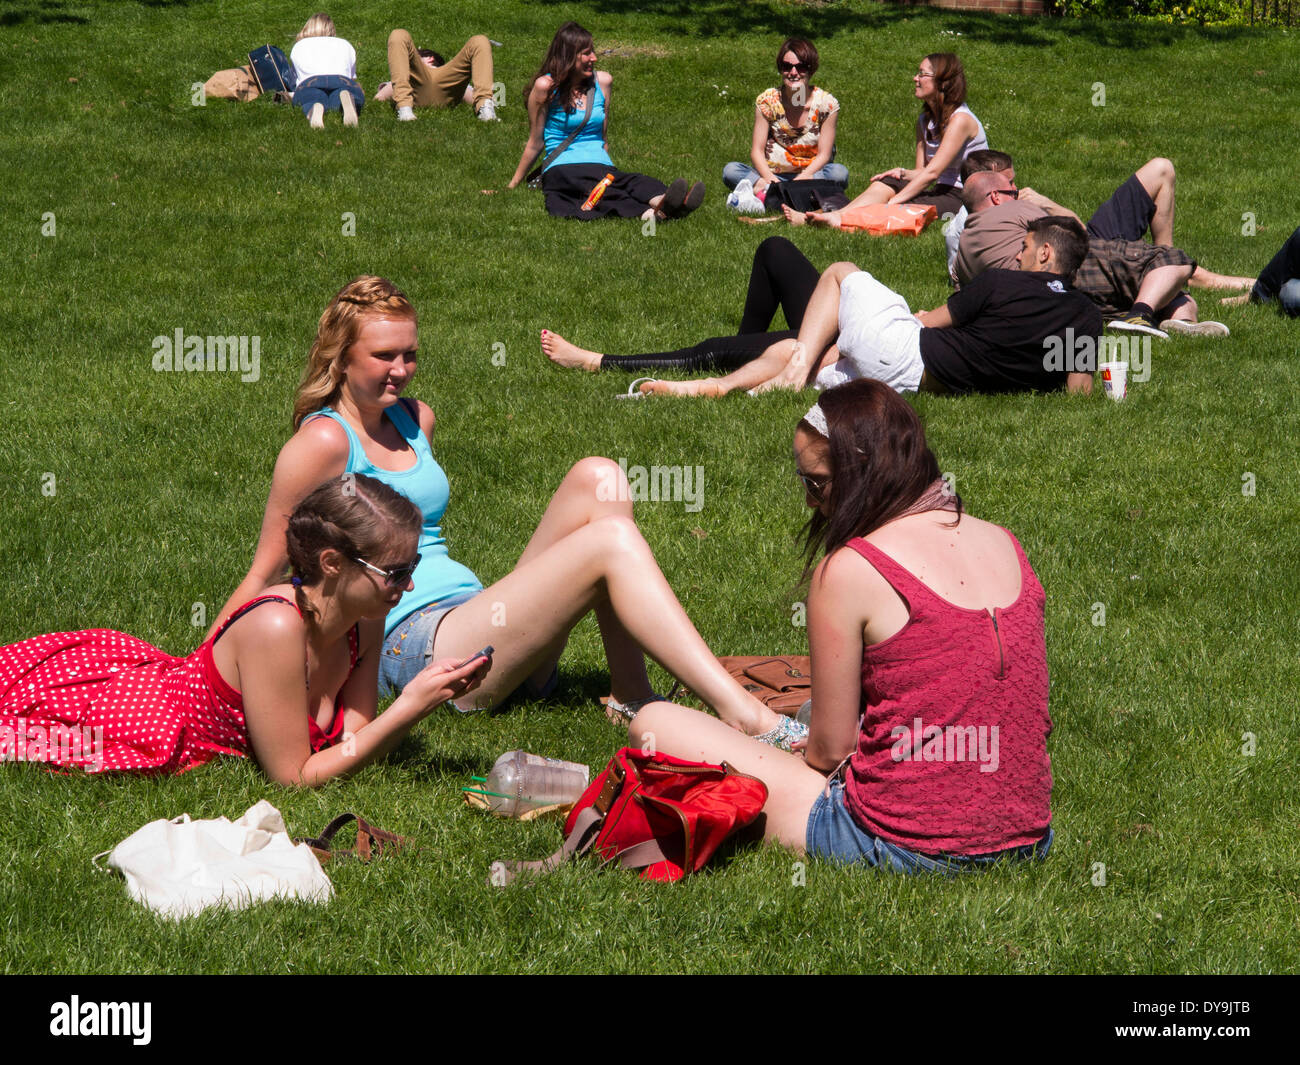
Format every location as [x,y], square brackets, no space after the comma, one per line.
[815,194]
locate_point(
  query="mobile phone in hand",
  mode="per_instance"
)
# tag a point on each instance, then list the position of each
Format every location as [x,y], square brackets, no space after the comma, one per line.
[485,653]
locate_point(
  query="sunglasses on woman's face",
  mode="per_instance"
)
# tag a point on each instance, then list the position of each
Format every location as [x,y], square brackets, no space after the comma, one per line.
[397,577]
[813,485]
[792,68]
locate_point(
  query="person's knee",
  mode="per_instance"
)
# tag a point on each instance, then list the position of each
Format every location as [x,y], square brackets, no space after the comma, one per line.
[618,534]
[840,271]
[599,478]
[479,43]
[400,37]
[1158,171]
[774,249]
[1289,297]
[649,726]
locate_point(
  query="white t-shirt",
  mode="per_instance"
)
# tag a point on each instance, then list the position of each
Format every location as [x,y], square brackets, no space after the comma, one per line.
[315,56]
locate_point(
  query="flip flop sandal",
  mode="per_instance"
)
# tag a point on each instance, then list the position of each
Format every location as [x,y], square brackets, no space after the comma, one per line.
[371,841]
[634,392]
[621,713]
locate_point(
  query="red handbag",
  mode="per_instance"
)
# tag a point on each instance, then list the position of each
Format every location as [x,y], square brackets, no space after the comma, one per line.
[652,812]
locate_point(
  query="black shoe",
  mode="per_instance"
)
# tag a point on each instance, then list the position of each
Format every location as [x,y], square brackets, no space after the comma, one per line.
[693,199]
[671,204]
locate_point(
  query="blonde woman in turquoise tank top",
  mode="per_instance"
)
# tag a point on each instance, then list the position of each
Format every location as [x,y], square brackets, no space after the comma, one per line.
[586,554]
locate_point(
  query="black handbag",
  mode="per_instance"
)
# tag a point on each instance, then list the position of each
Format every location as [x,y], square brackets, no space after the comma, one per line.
[815,194]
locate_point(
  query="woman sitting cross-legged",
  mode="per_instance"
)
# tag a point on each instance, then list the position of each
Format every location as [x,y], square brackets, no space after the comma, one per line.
[289,677]
[927,749]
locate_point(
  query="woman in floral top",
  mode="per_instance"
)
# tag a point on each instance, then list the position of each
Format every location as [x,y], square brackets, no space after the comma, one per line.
[794,127]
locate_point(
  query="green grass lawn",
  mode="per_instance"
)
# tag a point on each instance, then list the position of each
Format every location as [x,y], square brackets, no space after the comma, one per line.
[228,219]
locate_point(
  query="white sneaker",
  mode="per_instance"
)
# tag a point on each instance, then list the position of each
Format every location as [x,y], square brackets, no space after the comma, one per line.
[406,114]
[349,106]
[317,116]
[1194,329]
[487,112]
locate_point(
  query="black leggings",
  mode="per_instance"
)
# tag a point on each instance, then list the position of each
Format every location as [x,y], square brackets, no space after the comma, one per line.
[780,277]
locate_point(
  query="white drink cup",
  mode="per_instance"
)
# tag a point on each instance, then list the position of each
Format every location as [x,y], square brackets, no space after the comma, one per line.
[1114,378]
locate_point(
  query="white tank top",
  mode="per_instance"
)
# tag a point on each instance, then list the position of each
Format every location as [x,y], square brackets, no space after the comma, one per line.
[930,137]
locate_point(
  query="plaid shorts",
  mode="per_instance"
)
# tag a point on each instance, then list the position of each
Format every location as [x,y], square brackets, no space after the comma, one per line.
[1112,273]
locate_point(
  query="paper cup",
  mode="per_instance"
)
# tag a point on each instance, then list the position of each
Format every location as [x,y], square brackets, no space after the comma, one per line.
[1114,378]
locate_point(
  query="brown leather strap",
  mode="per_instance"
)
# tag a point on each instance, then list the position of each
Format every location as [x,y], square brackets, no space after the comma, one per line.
[371,841]
[585,829]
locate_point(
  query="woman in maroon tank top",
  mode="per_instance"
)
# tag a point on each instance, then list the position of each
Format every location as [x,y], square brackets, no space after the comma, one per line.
[927,748]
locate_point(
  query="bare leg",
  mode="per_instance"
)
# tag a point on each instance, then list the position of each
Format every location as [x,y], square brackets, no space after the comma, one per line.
[752,375]
[570,356]
[1182,308]
[792,786]
[825,219]
[817,333]
[1203,278]
[1157,177]
[1161,285]
[605,564]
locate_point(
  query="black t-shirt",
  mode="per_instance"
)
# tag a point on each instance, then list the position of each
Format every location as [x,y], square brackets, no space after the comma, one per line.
[1013,332]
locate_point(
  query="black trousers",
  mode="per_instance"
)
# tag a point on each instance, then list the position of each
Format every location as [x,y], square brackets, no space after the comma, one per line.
[781,277]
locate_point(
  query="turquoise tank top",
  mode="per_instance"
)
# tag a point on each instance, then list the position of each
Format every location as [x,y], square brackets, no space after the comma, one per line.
[589,145]
[437,577]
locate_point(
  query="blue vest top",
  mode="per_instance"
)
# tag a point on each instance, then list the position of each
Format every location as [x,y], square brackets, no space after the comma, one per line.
[589,145]
[424,484]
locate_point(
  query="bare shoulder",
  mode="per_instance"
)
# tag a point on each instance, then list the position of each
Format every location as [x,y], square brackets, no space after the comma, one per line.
[272,627]
[542,87]
[321,434]
[847,574]
[605,78]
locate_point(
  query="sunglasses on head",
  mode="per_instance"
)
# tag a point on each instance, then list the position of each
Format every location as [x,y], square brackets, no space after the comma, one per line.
[397,576]
[792,68]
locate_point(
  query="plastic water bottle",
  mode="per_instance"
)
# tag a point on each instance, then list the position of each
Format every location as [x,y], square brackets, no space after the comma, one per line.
[521,782]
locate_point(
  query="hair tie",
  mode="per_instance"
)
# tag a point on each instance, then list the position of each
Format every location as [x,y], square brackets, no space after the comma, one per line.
[296,581]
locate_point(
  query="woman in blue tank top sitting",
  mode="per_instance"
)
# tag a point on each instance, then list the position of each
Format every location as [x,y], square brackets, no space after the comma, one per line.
[586,554]
[578,176]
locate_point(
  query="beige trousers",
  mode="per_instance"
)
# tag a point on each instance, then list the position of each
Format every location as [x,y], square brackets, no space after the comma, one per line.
[417,84]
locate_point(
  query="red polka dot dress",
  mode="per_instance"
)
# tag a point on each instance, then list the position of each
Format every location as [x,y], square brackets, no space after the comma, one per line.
[104,700]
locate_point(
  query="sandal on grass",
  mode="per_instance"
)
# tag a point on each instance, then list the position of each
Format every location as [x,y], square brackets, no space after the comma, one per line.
[371,841]
[622,713]
[787,732]
[634,389]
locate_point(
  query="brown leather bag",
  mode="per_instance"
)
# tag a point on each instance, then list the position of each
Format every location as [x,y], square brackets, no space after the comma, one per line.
[780,682]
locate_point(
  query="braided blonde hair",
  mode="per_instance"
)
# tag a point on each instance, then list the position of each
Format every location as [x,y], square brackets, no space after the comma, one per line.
[361,300]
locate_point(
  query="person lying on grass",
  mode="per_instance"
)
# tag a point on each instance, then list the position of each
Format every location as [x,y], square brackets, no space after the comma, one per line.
[928,623]
[586,555]
[288,678]
[1010,331]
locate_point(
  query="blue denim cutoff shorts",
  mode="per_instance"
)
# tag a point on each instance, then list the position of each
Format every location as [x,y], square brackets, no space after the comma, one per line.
[409,647]
[833,834]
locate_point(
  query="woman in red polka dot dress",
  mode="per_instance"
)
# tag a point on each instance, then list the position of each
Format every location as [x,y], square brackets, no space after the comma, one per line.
[287,677]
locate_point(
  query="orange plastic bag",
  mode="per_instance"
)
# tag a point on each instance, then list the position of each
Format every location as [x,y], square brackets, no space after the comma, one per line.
[879,219]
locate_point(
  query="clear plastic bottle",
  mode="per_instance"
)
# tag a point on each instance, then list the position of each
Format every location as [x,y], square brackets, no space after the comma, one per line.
[521,782]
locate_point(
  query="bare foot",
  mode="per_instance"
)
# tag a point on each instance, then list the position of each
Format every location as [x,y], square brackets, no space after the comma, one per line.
[827,219]
[571,357]
[710,386]
[384,92]
[795,218]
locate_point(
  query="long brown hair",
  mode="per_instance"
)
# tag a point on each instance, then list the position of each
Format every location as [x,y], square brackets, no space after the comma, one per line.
[561,63]
[355,515]
[949,87]
[880,464]
[356,303]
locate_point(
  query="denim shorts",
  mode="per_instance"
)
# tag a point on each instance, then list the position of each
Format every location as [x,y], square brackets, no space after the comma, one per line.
[408,648]
[833,834]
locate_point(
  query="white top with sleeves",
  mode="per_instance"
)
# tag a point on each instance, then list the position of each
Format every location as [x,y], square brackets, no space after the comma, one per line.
[315,56]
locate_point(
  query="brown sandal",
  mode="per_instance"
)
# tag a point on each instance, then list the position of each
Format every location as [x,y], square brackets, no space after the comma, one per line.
[371,841]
